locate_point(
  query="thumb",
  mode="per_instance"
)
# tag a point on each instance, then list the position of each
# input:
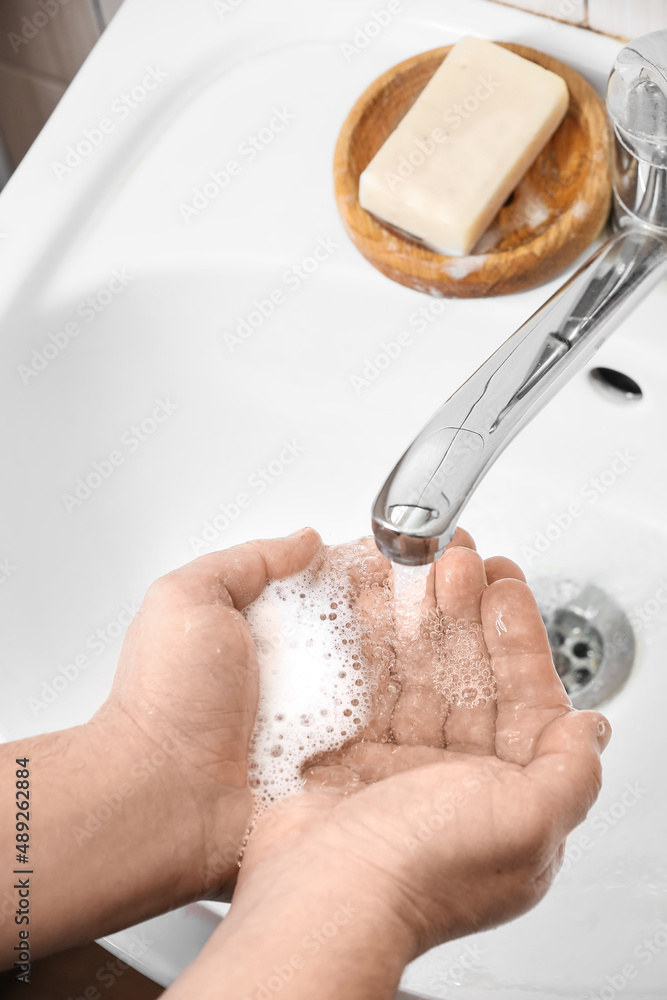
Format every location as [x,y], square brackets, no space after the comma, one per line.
[566,769]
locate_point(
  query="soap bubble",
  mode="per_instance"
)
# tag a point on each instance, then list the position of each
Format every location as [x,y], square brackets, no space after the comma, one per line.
[329,665]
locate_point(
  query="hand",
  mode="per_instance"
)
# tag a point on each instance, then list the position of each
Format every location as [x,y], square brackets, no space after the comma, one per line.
[145,807]
[453,819]
[187,683]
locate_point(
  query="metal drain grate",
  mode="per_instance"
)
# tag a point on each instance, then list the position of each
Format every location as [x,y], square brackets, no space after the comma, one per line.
[591,639]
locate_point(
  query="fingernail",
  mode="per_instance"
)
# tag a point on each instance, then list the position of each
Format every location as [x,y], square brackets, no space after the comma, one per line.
[603,733]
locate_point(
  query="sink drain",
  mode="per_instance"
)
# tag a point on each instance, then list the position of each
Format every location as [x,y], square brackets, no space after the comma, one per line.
[591,639]
[577,647]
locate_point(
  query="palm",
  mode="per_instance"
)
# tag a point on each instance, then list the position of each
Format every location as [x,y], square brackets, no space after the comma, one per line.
[425,762]
[199,679]
[416,717]
[187,683]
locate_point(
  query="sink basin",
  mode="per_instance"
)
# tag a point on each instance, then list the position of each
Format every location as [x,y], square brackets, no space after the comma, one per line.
[195,355]
[607,910]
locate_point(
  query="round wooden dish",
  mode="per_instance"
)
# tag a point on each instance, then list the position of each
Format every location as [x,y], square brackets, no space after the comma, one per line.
[558,209]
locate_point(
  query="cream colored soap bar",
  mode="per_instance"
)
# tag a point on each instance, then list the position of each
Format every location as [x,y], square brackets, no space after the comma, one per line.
[464,145]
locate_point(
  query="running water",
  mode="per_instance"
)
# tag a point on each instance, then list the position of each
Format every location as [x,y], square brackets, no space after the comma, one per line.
[454,648]
[409,592]
[335,641]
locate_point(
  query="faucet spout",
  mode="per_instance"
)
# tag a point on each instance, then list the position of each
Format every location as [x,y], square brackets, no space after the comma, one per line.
[416,512]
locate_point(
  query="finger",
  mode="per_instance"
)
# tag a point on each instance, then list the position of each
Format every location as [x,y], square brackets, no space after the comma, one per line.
[566,772]
[237,576]
[459,586]
[459,583]
[364,563]
[370,578]
[502,568]
[462,538]
[529,692]
[420,708]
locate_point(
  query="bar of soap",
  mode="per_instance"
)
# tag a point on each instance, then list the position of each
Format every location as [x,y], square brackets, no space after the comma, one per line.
[464,145]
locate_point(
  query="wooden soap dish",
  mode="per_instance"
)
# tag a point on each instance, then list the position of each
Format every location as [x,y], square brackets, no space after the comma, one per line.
[558,209]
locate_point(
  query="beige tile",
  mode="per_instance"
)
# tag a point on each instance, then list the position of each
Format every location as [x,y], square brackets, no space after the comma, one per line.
[44,35]
[108,8]
[26,101]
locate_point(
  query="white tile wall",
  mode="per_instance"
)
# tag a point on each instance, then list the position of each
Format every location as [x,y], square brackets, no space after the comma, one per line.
[627,18]
[563,10]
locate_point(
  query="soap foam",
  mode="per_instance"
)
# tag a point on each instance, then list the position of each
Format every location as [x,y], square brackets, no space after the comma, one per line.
[314,683]
[332,643]
[462,665]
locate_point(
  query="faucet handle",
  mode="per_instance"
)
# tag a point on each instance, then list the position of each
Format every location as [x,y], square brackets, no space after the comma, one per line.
[637,98]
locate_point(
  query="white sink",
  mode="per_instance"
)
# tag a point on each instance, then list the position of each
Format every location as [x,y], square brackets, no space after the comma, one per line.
[180,425]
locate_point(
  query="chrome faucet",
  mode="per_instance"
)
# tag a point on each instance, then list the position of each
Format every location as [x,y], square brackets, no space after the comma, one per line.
[416,511]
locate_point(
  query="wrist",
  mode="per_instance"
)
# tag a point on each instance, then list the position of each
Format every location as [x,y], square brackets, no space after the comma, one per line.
[323,933]
[140,800]
[198,823]
[287,867]
[295,844]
